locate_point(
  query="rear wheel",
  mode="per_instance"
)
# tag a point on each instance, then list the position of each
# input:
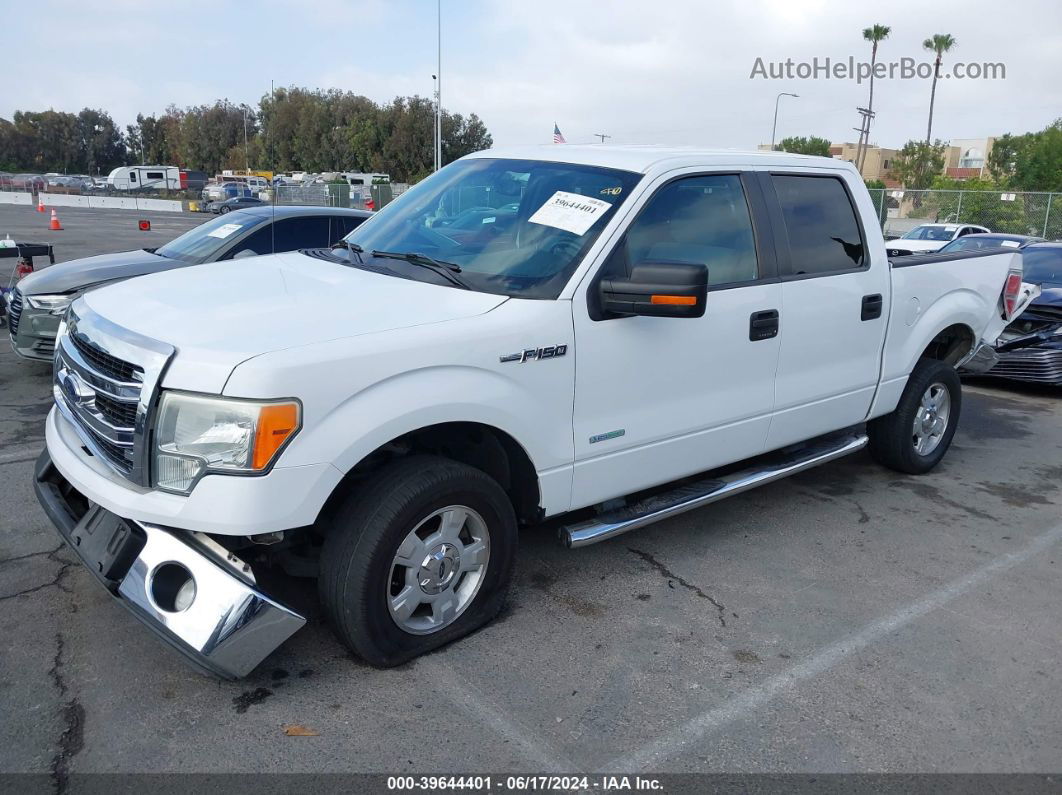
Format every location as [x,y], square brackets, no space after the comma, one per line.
[916,436]
[419,555]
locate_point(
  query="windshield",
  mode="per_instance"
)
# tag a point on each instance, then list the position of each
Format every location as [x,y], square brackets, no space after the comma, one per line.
[930,233]
[1042,265]
[514,227]
[204,242]
[971,243]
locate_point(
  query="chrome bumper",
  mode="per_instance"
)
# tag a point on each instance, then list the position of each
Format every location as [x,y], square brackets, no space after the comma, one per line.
[226,628]
[980,360]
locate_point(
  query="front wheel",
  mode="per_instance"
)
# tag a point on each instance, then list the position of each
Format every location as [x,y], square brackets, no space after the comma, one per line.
[419,555]
[224,210]
[914,438]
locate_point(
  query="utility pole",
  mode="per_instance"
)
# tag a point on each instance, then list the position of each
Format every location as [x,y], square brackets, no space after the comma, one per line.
[774,127]
[246,159]
[864,138]
[602,136]
[438,89]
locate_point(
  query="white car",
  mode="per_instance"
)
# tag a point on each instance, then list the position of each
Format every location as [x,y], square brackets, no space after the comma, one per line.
[385,414]
[933,237]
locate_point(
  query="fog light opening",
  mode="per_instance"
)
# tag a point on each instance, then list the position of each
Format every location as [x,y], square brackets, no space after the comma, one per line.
[172,588]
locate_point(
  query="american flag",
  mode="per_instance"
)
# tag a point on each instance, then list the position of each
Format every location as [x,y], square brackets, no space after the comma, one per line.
[557,137]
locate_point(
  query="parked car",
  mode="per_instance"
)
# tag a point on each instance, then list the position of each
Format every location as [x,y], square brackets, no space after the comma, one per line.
[386,413]
[235,203]
[932,237]
[981,240]
[1030,349]
[32,182]
[40,300]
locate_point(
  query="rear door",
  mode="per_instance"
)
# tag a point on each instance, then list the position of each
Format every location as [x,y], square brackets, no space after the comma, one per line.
[835,302]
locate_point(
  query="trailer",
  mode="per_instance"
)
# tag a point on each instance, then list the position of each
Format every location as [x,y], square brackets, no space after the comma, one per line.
[145,178]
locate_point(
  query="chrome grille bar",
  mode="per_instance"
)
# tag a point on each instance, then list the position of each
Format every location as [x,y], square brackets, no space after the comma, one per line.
[106,382]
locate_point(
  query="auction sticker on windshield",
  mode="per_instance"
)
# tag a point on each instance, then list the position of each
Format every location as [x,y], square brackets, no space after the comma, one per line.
[569,211]
[224,230]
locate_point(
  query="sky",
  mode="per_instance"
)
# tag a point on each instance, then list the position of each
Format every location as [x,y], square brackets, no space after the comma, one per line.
[673,72]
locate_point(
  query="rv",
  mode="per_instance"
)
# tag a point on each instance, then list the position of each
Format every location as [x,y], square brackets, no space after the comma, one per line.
[145,178]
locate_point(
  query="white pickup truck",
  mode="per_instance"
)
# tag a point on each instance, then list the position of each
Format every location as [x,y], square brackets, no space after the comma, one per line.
[580,334]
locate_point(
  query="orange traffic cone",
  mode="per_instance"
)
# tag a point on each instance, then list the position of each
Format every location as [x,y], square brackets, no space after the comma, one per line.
[55,225]
[40,203]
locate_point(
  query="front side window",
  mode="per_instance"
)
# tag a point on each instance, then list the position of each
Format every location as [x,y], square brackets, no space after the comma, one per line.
[820,223]
[514,227]
[702,220]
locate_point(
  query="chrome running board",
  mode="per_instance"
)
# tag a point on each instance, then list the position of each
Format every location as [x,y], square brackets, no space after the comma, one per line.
[694,495]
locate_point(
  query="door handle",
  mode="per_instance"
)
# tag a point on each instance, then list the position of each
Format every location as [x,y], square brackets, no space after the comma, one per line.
[871,309]
[763,325]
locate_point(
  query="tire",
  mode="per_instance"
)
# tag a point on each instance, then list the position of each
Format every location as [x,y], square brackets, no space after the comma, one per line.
[361,582]
[897,442]
[224,210]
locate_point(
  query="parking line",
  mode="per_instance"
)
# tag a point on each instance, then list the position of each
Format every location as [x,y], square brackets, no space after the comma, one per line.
[738,707]
[464,696]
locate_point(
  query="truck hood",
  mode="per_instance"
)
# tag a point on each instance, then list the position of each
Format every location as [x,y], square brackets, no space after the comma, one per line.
[219,316]
[77,274]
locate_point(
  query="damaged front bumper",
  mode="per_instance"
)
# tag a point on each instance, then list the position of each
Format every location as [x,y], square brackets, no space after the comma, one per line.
[199,599]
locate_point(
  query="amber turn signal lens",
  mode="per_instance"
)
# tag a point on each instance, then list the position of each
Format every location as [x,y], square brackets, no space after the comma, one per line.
[275,424]
[675,300]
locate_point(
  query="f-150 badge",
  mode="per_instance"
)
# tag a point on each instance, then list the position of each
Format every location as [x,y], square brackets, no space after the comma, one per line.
[550,352]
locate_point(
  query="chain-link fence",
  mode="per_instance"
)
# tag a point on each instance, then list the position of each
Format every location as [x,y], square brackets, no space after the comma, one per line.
[1036,214]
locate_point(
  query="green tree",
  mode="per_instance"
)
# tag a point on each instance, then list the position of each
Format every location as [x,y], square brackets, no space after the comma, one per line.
[918,163]
[874,34]
[939,43]
[806,146]
[1029,162]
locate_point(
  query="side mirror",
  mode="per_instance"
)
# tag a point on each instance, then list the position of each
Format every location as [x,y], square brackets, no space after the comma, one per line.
[658,289]
[245,253]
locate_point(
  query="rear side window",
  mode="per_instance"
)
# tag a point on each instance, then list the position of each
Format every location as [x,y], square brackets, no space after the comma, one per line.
[304,232]
[820,223]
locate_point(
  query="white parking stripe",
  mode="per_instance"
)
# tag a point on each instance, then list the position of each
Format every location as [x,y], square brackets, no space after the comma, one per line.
[465,696]
[687,734]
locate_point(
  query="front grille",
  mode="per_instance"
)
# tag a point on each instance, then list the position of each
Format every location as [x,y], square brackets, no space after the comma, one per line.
[110,366]
[119,413]
[1040,365]
[14,312]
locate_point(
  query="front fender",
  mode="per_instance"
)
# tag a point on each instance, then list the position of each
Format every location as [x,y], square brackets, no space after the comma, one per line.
[416,399]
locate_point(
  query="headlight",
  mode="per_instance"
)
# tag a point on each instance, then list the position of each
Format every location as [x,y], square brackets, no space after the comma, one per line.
[196,434]
[55,304]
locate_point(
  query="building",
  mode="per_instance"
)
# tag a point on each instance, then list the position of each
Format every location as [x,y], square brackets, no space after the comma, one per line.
[967,158]
[876,163]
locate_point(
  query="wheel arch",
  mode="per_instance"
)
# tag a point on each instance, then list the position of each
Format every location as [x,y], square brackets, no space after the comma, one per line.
[480,445]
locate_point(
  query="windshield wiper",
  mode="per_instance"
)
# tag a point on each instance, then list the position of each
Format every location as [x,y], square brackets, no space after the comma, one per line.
[447,270]
[354,247]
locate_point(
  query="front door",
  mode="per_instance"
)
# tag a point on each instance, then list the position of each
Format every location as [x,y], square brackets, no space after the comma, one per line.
[660,398]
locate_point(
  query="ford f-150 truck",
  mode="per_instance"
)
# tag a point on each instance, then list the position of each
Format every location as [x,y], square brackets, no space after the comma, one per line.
[635,333]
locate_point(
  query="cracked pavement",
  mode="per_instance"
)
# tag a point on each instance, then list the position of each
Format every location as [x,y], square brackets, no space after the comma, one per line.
[849,619]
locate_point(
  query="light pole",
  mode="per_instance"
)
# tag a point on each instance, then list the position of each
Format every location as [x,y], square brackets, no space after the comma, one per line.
[774,127]
[246,159]
[438,88]
[435,118]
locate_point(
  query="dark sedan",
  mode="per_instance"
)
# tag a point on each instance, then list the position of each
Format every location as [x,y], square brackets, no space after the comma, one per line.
[989,240]
[40,300]
[235,203]
[1030,348]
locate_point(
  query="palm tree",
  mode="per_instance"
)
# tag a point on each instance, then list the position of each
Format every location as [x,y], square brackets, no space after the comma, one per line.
[940,43]
[872,34]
